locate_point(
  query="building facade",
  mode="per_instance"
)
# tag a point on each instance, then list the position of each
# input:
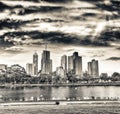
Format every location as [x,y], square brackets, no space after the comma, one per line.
[77,64]
[46,63]
[35,63]
[70,64]
[64,63]
[30,69]
[93,68]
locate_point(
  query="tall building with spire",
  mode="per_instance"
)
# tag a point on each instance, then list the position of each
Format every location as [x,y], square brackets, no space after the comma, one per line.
[35,63]
[64,63]
[93,68]
[46,62]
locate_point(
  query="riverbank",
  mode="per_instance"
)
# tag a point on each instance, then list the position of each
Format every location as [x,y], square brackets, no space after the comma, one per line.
[59,85]
[61,109]
[59,102]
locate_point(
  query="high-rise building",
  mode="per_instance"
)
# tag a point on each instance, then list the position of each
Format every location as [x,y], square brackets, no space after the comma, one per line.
[50,65]
[64,63]
[90,68]
[35,63]
[77,64]
[93,68]
[46,63]
[70,63]
[30,69]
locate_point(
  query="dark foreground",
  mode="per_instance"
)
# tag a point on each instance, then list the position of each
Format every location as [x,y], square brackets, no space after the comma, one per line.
[62,109]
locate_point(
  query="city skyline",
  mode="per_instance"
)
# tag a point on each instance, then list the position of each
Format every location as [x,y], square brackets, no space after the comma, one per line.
[91,28]
[59,64]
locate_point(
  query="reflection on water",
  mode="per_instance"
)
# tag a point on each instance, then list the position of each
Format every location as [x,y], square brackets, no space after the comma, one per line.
[57,93]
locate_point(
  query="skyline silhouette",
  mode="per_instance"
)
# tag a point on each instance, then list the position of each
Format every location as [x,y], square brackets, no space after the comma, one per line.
[87,26]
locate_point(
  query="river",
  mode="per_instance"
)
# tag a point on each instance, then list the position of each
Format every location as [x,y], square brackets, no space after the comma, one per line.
[60,93]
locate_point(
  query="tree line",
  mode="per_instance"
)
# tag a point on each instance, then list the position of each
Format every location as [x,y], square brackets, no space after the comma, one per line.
[17,75]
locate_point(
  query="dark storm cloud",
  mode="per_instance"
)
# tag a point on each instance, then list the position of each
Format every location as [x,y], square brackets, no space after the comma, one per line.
[53,1]
[3,6]
[53,37]
[118,48]
[114,58]
[110,35]
[78,18]
[21,10]
[57,0]
[110,17]
[89,15]
[4,43]
[113,6]
[11,23]
[52,20]
[39,9]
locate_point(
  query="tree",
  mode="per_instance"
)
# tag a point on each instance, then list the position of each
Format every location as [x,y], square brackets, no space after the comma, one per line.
[104,76]
[116,76]
[16,73]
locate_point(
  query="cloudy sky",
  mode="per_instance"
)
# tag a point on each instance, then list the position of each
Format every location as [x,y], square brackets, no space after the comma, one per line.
[91,27]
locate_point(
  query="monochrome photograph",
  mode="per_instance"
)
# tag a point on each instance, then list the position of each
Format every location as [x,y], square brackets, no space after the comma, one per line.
[59,56]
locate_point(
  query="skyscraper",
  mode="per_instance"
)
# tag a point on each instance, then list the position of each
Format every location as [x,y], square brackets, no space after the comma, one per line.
[50,65]
[35,63]
[90,68]
[70,63]
[46,63]
[93,68]
[64,63]
[30,69]
[77,64]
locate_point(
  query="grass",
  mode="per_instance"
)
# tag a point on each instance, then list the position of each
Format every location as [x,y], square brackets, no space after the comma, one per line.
[61,109]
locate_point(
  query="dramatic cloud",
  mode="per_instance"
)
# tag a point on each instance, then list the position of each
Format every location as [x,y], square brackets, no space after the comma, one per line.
[10,23]
[14,50]
[114,58]
[90,27]
[52,37]
[110,35]
[4,43]
[4,6]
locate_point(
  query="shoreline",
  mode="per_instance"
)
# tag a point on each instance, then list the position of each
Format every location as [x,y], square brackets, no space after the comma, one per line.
[91,102]
[61,109]
[58,85]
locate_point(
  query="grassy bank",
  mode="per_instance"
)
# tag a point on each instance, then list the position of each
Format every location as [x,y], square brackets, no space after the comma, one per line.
[61,109]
